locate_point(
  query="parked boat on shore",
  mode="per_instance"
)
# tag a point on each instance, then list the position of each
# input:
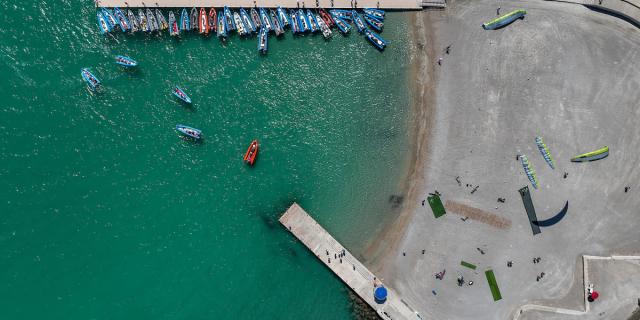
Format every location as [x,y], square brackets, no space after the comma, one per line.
[122,20]
[252,152]
[255,17]
[174,29]
[151,20]
[144,24]
[263,37]
[184,21]
[193,18]
[126,61]
[102,23]
[213,20]
[374,23]
[162,22]
[133,21]
[266,22]
[358,21]
[375,39]
[277,26]
[189,131]
[203,25]
[246,19]
[326,31]
[181,95]
[91,80]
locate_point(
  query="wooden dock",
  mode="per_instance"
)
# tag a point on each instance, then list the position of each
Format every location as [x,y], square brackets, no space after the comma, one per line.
[353,273]
[328,4]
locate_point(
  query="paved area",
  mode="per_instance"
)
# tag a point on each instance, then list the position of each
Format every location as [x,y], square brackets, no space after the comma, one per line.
[347,267]
[384,4]
[568,74]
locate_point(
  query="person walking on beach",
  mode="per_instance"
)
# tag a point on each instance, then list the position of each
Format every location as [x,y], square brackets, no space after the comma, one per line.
[439,61]
[447,49]
[498,11]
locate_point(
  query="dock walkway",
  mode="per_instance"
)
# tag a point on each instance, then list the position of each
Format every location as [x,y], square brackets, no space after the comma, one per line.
[351,271]
[382,4]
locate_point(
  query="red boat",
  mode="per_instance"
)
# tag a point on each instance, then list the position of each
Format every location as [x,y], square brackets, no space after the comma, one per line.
[213,19]
[327,18]
[252,152]
[203,22]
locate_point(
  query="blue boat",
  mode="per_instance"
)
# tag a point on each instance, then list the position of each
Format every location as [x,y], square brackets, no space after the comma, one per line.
[266,22]
[184,21]
[276,24]
[181,95]
[122,20]
[374,23]
[295,26]
[222,25]
[375,39]
[263,37]
[358,21]
[343,14]
[133,21]
[313,24]
[91,80]
[342,25]
[111,20]
[126,61]
[189,131]
[247,21]
[376,13]
[285,21]
[303,20]
[102,23]
[229,19]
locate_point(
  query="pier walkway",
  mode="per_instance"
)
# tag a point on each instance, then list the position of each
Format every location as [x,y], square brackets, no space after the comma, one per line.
[328,4]
[351,271]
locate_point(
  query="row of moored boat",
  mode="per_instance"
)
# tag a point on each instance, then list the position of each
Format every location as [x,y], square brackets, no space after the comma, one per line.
[260,21]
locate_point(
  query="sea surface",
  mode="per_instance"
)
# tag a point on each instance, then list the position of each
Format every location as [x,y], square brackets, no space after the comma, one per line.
[106,213]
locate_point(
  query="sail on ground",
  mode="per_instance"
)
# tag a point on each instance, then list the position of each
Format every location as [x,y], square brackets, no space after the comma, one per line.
[504,20]
[528,169]
[593,155]
[545,152]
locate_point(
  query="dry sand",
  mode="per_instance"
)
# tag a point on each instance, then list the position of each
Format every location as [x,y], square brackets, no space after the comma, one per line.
[566,73]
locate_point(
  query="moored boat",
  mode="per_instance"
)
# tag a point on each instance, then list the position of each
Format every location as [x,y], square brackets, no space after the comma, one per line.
[263,37]
[108,16]
[181,95]
[246,19]
[151,20]
[184,21]
[374,23]
[341,24]
[174,29]
[222,25]
[213,19]
[295,24]
[255,17]
[189,131]
[326,17]
[162,22]
[91,80]
[375,39]
[193,18]
[277,27]
[326,31]
[144,25]
[358,21]
[343,14]
[302,20]
[376,13]
[284,19]
[102,23]
[133,21]
[203,25]
[126,61]
[266,22]
[228,17]
[313,24]
[237,20]
[122,20]
[252,152]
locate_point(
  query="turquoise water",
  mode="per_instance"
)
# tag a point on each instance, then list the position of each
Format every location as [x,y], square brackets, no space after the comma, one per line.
[107,214]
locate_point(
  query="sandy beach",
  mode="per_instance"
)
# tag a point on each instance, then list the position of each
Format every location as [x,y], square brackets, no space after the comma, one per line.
[566,73]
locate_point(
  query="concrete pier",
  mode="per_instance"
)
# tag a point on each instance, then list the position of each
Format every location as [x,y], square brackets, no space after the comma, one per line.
[351,271]
[328,4]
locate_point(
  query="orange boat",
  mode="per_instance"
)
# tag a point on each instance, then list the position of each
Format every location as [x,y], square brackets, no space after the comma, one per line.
[203,22]
[213,19]
[252,152]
